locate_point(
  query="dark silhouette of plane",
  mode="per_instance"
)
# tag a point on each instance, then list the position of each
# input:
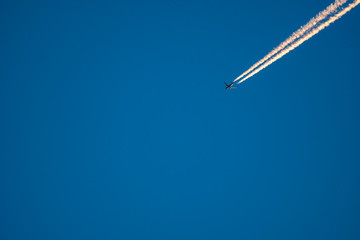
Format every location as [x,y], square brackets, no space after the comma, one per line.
[229,86]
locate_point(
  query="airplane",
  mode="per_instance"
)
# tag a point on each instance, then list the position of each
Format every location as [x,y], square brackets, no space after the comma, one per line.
[229,86]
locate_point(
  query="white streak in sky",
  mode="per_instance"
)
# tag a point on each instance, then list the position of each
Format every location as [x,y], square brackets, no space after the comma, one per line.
[315,25]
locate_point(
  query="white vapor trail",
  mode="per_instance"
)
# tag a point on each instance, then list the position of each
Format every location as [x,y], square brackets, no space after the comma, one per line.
[300,36]
[321,16]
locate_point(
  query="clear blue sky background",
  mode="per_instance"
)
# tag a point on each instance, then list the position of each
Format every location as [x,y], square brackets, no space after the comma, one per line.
[115,123]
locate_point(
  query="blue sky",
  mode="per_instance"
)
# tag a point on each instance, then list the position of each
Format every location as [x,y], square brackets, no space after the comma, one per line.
[115,123]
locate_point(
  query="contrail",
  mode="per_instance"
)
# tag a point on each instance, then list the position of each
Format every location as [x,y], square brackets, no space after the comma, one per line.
[321,16]
[300,36]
